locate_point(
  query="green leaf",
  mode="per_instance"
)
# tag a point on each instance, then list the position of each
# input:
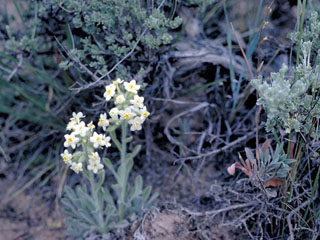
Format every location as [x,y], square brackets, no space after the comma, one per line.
[146,193]
[137,204]
[70,39]
[136,189]
[69,208]
[86,217]
[129,165]
[66,202]
[84,195]
[108,197]
[273,166]
[101,180]
[268,158]
[278,151]
[70,192]
[86,173]
[101,199]
[288,161]
[109,211]
[77,155]
[134,152]
[78,191]
[117,189]
[90,148]
[112,128]
[121,224]
[115,139]
[250,155]
[69,212]
[138,184]
[152,200]
[110,167]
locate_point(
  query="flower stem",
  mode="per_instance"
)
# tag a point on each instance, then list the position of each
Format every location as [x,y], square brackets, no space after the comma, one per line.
[94,193]
[123,170]
[95,197]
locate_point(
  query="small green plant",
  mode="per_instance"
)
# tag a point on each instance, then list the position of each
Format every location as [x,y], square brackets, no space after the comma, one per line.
[291,99]
[99,208]
[268,167]
[113,29]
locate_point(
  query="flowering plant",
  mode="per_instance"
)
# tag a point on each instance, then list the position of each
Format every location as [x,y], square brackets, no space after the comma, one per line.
[100,209]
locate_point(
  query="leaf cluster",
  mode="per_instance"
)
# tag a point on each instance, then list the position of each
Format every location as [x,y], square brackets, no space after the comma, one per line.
[268,167]
[111,29]
[291,98]
[272,164]
[95,210]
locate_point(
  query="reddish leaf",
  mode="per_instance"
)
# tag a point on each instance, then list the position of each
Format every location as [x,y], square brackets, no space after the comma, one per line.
[265,145]
[248,165]
[231,169]
[275,182]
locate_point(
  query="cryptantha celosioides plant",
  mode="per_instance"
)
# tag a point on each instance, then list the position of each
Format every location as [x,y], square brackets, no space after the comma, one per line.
[105,205]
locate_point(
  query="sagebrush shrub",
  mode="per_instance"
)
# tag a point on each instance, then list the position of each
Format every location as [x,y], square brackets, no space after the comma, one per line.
[291,96]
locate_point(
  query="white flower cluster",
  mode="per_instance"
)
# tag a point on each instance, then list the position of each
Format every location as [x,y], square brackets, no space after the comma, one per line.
[84,134]
[94,162]
[129,105]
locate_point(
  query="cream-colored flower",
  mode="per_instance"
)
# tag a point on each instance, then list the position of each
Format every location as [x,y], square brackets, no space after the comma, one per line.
[71,140]
[110,91]
[114,113]
[91,126]
[137,101]
[81,129]
[76,167]
[126,114]
[103,122]
[132,86]
[120,99]
[144,113]
[97,140]
[66,157]
[107,142]
[77,116]
[117,81]
[136,123]
[95,166]
[71,125]
[94,156]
